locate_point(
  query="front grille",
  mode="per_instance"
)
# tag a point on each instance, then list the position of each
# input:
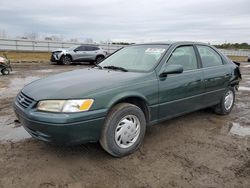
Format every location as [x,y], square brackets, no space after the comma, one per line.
[24,101]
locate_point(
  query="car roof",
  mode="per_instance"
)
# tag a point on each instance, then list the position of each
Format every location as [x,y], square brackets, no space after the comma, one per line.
[91,45]
[172,43]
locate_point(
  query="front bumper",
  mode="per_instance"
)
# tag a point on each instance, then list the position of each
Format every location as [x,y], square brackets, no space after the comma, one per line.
[55,57]
[52,59]
[62,129]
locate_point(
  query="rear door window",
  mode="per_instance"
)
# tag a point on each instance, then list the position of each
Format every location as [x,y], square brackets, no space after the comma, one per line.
[209,56]
[95,48]
[91,48]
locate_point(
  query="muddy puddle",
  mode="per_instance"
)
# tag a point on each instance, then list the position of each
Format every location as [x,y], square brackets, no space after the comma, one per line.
[11,131]
[15,84]
[45,70]
[21,82]
[244,88]
[240,130]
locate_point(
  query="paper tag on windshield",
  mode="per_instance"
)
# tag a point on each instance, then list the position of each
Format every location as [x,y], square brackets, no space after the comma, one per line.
[155,50]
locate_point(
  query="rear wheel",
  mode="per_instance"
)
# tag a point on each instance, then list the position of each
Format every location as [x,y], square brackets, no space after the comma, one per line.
[66,60]
[5,71]
[124,130]
[227,102]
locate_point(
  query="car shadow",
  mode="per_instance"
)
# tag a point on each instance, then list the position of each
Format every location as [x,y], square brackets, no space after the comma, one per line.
[89,150]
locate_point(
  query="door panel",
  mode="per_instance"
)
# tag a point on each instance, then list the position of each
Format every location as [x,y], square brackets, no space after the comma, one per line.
[90,53]
[181,93]
[216,80]
[216,74]
[80,53]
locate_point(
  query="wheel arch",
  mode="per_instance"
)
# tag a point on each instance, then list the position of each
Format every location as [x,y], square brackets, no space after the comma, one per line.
[66,55]
[138,100]
[99,55]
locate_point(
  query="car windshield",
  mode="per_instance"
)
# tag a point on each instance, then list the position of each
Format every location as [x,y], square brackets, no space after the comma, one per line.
[136,58]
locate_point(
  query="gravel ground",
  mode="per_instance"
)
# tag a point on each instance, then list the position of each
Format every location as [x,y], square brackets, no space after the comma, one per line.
[200,149]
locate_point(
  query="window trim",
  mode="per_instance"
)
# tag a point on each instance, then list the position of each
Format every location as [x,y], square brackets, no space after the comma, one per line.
[89,48]
[183,45]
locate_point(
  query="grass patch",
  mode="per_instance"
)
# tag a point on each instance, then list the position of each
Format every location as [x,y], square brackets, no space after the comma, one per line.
[19,56]
[238,58]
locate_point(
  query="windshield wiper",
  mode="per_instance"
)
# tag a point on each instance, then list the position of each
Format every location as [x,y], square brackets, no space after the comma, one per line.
[97,65]
[115,68]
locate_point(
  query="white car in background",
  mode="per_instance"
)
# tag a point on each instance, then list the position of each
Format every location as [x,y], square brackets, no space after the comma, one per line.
[81,53]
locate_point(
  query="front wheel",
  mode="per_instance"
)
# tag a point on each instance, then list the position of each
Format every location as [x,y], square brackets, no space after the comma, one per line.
[66,60]
[227,102]
[5,71]
[124,130]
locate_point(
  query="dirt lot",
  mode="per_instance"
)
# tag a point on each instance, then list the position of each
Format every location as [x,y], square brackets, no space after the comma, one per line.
[200,149]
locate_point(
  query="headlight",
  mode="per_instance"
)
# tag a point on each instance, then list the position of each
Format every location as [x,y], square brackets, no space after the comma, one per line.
[65,105]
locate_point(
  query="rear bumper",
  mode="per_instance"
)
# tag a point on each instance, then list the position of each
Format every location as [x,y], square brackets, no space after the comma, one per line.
[68,133]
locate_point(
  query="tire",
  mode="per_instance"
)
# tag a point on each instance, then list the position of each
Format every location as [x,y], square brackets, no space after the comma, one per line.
[5,71]
[66,60]
[114,127]
[224,108]
[99,59]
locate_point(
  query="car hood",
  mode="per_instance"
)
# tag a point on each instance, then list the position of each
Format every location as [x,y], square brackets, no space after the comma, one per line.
[59,50]
[78,84]
[2,60]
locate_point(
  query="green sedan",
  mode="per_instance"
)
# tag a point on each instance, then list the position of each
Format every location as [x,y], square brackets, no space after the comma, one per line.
[137,86]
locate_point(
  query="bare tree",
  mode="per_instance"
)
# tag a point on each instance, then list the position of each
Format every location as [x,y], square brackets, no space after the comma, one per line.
[3,34]
[108,41]
[73,40]
[31,36]
[53,38]
[48,38]
[56,38]
[89,40]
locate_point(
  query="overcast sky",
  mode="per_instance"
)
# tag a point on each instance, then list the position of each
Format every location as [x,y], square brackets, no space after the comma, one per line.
[213,21]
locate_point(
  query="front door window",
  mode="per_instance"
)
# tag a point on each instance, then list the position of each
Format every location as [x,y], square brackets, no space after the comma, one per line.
[185,56]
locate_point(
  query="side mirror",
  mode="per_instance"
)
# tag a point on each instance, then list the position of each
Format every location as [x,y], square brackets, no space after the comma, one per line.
[172,69]
[75,50]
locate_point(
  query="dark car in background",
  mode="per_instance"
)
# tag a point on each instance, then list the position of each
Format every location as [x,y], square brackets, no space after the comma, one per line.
[137,86]
[82,53]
